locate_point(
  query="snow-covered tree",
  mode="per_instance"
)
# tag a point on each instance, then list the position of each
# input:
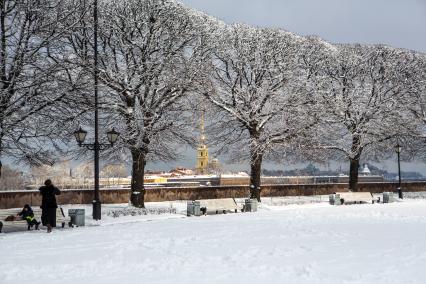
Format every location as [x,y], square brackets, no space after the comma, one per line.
[59,173]
[417,105]
[253,79]
[147,52]
[12,179]
[113,171]
[363,92]
[34,86]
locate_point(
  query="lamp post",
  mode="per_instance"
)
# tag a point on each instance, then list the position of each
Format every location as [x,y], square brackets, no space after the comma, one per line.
[80,136]
[398,151]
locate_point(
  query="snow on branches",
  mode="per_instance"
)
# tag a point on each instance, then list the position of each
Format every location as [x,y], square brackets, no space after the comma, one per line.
[34,94]
[253,77]
[147,66]
[362,93]
[271,91]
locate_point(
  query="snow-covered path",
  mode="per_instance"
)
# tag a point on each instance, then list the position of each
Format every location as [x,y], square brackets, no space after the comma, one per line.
[315,243]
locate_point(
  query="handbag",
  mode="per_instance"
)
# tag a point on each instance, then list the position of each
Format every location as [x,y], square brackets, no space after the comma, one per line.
[10,218]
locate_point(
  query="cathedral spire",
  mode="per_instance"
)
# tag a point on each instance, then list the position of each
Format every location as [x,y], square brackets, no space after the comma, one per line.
[202,150]
[202,136]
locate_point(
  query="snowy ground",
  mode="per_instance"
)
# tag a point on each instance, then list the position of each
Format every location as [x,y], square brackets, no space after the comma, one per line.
[307,242]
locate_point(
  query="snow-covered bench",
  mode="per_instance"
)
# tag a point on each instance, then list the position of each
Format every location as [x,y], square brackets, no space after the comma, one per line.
[355,197]
[219,206]
[4,213]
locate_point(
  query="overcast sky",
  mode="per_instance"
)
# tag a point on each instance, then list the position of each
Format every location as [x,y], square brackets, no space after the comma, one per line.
[399,23]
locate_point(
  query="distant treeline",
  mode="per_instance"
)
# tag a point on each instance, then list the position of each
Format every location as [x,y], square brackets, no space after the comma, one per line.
[311,170]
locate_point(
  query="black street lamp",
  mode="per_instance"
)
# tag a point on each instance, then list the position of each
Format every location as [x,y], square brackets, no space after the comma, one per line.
[398,149]
[80,136]
[112,136]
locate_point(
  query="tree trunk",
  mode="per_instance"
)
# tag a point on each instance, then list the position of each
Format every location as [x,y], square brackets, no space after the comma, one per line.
[255,169]
[353,174]
[3,77]
[137,197]
[354,163]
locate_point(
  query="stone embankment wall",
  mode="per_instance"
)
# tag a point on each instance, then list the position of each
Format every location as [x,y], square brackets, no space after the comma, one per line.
[16,199]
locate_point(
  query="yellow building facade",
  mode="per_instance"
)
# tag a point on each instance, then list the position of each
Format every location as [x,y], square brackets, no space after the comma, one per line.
[202,159]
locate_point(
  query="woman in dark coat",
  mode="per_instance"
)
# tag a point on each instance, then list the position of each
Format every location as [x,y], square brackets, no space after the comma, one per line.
[48,204]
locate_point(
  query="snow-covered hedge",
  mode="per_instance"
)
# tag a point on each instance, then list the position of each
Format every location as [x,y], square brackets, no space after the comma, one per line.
[415,195]
[140,211]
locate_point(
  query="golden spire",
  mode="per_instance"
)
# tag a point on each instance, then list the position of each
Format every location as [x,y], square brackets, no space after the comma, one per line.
[202,137]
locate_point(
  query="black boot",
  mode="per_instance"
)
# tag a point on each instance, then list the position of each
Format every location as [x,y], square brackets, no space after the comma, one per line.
[36,225]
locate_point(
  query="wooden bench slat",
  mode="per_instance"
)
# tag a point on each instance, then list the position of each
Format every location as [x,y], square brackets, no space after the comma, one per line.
[219,205]
[4,213]
[356,197]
